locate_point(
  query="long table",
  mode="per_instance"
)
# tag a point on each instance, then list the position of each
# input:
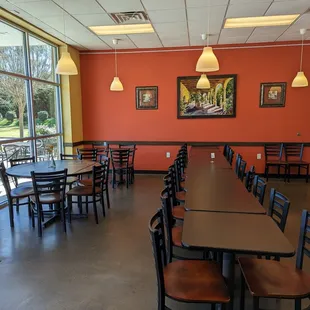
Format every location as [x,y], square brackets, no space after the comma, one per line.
[232,224]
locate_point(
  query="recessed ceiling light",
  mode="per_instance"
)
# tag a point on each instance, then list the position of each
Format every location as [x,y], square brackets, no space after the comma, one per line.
[260,21]
[122,29]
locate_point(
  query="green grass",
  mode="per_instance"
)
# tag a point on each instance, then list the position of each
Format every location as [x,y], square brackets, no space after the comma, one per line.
[12,132]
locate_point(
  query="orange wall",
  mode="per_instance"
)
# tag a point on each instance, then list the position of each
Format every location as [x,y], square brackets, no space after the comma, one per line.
[113,116]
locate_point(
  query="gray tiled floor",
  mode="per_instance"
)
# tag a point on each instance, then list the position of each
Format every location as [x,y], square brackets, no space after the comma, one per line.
[107,266]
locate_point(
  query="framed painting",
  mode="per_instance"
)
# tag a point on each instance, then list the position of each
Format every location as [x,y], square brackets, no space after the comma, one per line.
[272,95]
[147,98]
[217,101]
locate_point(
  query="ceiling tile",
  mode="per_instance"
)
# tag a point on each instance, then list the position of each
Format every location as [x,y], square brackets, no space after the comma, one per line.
[148,40]
[290,37]
[302,22]
[41,8]
[166,29]
[124,42]
[232,40]
[115,6]
[196,40]
[163,4]
[247,9]
[288,7]
[249,1]
[95,19]
[262,38]
[199,27]
[236,32]
[265,31]
[203,3]
[200,15]
[23,1]
[167,16]
[175,42]
[80,6]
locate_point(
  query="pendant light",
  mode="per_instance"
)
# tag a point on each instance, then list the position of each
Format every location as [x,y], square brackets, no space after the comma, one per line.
[301,80]
[203,82]
[66,65]
[207,61]
[116,84]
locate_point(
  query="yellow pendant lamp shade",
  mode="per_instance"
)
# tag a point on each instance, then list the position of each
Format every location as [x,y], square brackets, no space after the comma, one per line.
[66,65]
[203,82]
[207,61]
[116,85]
[300,80]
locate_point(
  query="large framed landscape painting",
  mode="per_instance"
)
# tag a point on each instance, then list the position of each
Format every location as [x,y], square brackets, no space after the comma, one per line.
[217,101]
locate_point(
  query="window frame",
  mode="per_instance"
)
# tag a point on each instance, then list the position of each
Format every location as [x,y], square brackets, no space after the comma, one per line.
[29,79]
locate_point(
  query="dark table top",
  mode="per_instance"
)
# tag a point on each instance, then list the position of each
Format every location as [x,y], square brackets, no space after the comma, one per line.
[75,167]
[235,232]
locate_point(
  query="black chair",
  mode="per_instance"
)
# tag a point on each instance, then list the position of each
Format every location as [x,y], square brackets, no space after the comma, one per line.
[237,163]
[249,178]
[131,164]
[231,156]
[21,161]
[71,180]
[189,281]
[279,206]
[225,150]
[120,165]
[95,191]
[294,158]
[273,158]
[241,171]
[274,279]
[87,154]
[15,195]
[180,196]
[49,189]
[259,188]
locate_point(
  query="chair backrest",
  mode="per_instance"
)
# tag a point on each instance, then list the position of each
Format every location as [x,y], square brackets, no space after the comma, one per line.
[119,157]
[249,177]
[105,161]
[304,239]
[225,150]
[49,183]
[157,232]
[241,171]
[168,221]
[21,161]
[169,184]
[237,164]
[101,150]
[69,156]
[5,180]
[178,174]
[279,206]
[293,151]
[273,151]
[259,188]
[87,154]
[99,176]
[231,156]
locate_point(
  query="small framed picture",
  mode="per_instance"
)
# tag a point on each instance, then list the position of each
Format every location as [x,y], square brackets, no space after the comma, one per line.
[147,98]
[272,95]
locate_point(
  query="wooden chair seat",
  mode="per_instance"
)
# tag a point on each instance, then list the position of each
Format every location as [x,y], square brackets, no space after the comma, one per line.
[86,182]
[177,236]
[180,196]
[178,212]
[195,281]
[22,192]
[297,162]
[25,184]
[50,198]
[71,180]
[273,279]
[276,162]
[83,191]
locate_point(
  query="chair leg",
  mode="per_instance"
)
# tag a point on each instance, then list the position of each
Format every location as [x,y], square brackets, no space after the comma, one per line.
[267,173]
[29,207]
[95,209]
[288,173]
[32,216]
[39,219]
[127,178]
[297,304]
[86,204]
[255,303]
[11,212]
[17,205]
[213,306]
[107,195]
[69,208]
[113,178]
[80,204]
[63,213]
[242,292]
[102,203]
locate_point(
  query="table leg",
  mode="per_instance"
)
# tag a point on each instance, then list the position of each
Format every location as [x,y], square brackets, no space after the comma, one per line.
[229,275]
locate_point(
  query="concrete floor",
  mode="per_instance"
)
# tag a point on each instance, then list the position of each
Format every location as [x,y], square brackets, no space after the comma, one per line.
[107,266]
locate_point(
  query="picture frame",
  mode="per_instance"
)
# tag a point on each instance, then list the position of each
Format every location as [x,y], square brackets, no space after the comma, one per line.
[219,101]
[272,95]
[146,97]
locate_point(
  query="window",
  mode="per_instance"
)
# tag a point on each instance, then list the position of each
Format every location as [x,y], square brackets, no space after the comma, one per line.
[30,115]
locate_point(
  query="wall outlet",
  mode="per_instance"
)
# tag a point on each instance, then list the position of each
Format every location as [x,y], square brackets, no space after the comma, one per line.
[259,156]
[212,155]
[168,155]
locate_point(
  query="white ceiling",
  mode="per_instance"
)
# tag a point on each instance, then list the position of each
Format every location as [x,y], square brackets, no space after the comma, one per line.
[176,22]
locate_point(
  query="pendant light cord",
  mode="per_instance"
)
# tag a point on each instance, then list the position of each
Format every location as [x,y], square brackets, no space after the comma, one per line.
[115,59]
[64,20]
[302,51]
[208,34]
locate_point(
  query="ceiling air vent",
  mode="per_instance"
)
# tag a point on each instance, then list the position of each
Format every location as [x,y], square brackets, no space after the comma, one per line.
[138,17]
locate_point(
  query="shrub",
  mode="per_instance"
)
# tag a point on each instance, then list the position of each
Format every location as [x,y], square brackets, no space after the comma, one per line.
[50,122]
[42,116]
[15,123]
[4,122]
[25,117]
[10,115]
[44,130]
[1,117]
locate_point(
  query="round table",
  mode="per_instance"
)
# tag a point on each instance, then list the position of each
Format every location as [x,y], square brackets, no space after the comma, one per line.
[75,167]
